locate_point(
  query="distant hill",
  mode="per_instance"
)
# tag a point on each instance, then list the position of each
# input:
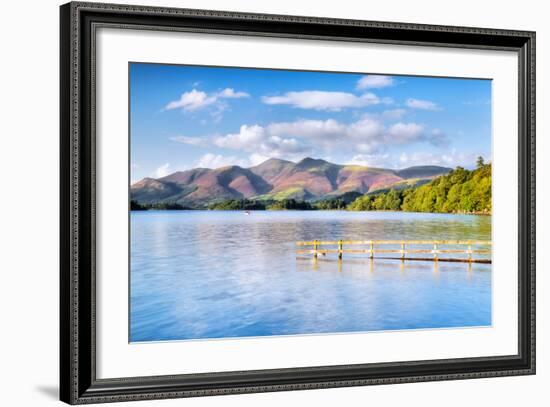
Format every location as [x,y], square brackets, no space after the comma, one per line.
[309,179]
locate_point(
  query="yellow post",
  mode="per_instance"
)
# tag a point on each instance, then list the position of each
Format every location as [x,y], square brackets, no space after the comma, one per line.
[340,249]
[470,252]
[403,251]
[435,251]
[371,255]
[315,248]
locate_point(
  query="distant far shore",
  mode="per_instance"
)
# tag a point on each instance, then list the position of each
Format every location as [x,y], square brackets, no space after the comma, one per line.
[477,213]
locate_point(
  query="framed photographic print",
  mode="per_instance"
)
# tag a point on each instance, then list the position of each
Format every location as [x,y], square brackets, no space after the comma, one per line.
[255,203]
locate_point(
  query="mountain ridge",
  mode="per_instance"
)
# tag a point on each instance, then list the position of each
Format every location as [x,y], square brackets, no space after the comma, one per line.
[276,179]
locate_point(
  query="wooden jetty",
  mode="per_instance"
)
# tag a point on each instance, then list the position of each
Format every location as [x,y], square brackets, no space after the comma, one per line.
[439,250]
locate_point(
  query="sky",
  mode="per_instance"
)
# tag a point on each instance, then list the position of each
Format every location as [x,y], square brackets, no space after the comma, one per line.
[184,117]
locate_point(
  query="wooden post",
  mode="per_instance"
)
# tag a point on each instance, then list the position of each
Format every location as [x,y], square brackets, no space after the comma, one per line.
[371,255]
[435,251]
[315,248]
[470,253]
[339,249]
[403,251]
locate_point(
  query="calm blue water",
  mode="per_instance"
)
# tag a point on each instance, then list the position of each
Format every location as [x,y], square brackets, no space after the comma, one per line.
[217,274]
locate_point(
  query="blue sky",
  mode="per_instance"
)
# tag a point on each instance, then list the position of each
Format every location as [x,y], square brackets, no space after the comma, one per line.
[185,117]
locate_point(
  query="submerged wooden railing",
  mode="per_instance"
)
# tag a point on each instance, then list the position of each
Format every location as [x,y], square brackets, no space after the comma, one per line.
[372,247]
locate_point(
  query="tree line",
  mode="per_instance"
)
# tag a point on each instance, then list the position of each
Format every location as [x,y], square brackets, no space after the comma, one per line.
[460,191]
[247,204]
[138,206]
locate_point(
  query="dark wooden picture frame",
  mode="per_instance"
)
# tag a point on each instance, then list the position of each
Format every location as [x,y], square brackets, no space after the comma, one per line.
[78,381]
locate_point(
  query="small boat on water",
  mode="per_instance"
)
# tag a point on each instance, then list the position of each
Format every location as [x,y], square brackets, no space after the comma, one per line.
[247,212]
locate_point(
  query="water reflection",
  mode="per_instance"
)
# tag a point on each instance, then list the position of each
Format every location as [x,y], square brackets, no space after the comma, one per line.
[221,274]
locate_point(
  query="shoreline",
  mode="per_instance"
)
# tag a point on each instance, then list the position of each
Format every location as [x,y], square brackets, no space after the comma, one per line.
[305,210]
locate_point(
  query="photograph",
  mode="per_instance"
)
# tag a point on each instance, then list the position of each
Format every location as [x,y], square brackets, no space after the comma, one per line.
[270,202]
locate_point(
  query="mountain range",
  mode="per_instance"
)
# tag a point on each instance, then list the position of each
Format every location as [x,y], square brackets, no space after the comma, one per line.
[275,179]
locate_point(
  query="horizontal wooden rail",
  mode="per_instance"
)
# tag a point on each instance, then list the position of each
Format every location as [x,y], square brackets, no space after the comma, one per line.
[444,242]
[390,251]
[403,251]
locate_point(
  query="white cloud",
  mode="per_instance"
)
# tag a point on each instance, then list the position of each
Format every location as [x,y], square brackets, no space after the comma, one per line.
[322,100]
[313,129]
[260,140]
[256,158]
[374,82]
[448,159]
[422,104]
[370,160]
[404,133]
[247,136]
[196,99]
[162,171]
[192,141]
[289,140]
[217,160]
[366,130]
[231,94]
[192,100]
[407,133]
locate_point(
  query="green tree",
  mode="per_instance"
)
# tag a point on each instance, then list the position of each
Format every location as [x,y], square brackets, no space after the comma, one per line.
[480,162]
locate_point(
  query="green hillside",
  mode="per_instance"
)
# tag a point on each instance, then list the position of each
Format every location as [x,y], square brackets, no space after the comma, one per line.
[460,191]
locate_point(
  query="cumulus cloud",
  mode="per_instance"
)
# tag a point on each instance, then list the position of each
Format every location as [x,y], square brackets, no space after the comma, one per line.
[404,133]
[217,160]
[190,101]
[407,133]
[196,99]
[322,100]
[367,136]
[370,160]
[162,171]
[422,104]
[256,158]
[315,130]
[231,94]
[260,140]
[374,82]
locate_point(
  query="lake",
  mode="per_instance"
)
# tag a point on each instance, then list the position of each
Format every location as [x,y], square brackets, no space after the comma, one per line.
[222,274]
